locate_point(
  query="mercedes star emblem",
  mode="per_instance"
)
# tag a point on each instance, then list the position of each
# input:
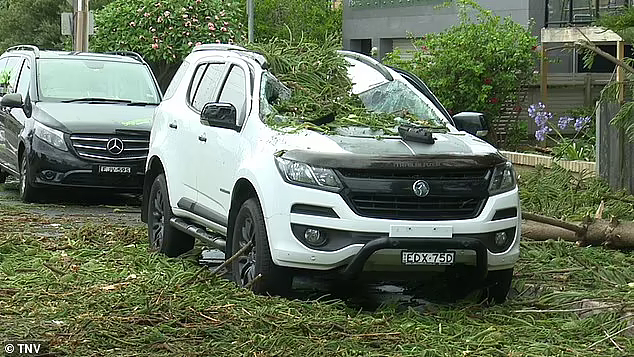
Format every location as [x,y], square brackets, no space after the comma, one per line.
[421,188]
[115,146]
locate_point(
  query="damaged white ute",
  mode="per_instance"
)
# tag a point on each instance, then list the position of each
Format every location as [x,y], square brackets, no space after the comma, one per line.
[347,204]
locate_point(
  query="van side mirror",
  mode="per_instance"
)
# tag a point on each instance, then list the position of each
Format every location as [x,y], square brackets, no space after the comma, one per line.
[221,115]
[472,122]
[13,100]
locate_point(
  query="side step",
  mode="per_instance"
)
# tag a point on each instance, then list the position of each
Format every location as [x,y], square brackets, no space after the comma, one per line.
[199,233]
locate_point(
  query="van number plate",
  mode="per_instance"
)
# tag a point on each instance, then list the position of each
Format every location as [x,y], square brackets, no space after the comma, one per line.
[115,169]
[427,258]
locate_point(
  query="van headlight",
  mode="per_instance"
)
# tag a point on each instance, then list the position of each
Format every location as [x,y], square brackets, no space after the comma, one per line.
[503,179]
[303,174]
[51,136]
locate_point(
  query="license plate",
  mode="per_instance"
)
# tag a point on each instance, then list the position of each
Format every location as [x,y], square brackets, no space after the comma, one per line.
[115,169]
[427,258]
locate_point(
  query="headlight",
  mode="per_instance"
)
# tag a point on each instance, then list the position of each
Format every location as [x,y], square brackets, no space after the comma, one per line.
[51,136]
[303,174]
[503,179]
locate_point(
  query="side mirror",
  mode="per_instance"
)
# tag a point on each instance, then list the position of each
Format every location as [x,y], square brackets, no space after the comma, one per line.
[13,100]
[472,122]
[221,115]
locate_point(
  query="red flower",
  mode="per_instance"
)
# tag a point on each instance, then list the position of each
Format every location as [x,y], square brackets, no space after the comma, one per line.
[488,81]
[494,100]
[424,48]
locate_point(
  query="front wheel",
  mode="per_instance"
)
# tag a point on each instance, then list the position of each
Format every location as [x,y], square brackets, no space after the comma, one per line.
[163,237]
[28,193]
[497,286]
[255,268]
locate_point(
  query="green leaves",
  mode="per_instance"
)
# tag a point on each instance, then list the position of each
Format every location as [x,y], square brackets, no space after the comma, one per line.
[165,31]
[475,65]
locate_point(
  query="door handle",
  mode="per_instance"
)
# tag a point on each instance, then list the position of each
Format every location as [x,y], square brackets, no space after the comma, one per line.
[202,138]
[173,125]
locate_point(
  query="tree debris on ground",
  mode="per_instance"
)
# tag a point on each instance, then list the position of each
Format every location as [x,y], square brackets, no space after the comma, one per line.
[578,197]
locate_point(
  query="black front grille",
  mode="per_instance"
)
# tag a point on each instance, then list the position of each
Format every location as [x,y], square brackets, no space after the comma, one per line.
[94,146]
[389,194]
[107,181]
[412,207]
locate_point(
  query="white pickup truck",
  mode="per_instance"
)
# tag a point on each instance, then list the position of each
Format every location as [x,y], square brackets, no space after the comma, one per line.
[348,203]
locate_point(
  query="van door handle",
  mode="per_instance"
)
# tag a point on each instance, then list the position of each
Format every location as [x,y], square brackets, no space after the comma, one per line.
[202,138]
[173,125]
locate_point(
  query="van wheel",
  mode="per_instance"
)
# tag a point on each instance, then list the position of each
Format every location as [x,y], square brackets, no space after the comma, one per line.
[497,285]
[28,193]
[163,237]
[249,226]
[3,177]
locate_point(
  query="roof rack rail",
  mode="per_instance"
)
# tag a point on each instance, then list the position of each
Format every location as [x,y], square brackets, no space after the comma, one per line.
[35,49]
[227,47]
[130,54]
[369,61]
[217,46]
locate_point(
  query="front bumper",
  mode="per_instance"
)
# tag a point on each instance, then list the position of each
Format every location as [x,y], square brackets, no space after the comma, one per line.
[289,251]
[53,167]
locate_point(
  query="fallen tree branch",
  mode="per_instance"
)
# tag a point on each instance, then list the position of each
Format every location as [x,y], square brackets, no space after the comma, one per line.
[610,336]
[554,222]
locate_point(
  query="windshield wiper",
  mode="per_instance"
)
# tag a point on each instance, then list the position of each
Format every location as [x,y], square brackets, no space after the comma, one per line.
[97,100]
[141,104]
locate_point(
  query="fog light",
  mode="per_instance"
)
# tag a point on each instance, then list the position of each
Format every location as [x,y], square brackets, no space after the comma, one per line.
[500,239]
[314,237]
[48,174]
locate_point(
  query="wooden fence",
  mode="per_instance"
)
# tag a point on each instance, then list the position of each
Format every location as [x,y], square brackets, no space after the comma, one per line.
[615,154]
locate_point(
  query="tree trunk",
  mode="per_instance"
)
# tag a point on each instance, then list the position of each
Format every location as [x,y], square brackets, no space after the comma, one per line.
[609,233]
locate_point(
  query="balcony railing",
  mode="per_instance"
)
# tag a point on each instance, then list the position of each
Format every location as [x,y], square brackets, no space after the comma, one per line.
[562,13]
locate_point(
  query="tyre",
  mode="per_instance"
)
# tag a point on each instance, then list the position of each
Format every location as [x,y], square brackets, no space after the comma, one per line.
[249,226]
[497,285]
[28,193]
[163,237]
[3,177]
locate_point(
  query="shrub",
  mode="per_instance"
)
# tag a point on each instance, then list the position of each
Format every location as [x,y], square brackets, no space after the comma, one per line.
[165,31]
[475,65]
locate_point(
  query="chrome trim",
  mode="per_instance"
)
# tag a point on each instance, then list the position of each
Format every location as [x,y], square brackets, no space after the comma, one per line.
[80,146]
[111,158]
[72,137]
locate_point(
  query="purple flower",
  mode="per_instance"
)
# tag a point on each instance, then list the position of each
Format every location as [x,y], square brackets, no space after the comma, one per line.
[581,122]
[563,122]
[540,134]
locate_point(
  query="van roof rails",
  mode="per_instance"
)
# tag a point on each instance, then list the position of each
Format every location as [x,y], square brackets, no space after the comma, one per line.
[35,49]
[130,54]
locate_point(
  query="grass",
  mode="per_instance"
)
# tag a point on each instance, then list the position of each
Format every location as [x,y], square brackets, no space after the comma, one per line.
[97,291]
[562,194]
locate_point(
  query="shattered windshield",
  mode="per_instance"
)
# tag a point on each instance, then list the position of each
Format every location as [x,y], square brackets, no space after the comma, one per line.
[397,98]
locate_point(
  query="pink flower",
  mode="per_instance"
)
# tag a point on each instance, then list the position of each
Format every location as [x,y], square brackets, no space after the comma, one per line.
[222,13]
[198,43]
[207,18]
[170,28]
[159,19]
[211,27]
[188,23]
[152,29]
[147,14]
[158,4]
[194,19]
[217,41]
[186,33]
[155,46]
[190,43]
[167,13]
[216,17]
[185,16]
[225,23]
[132,24]
[223,29]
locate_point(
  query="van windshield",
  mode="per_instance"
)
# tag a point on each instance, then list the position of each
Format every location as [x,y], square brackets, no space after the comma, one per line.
[71,79]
